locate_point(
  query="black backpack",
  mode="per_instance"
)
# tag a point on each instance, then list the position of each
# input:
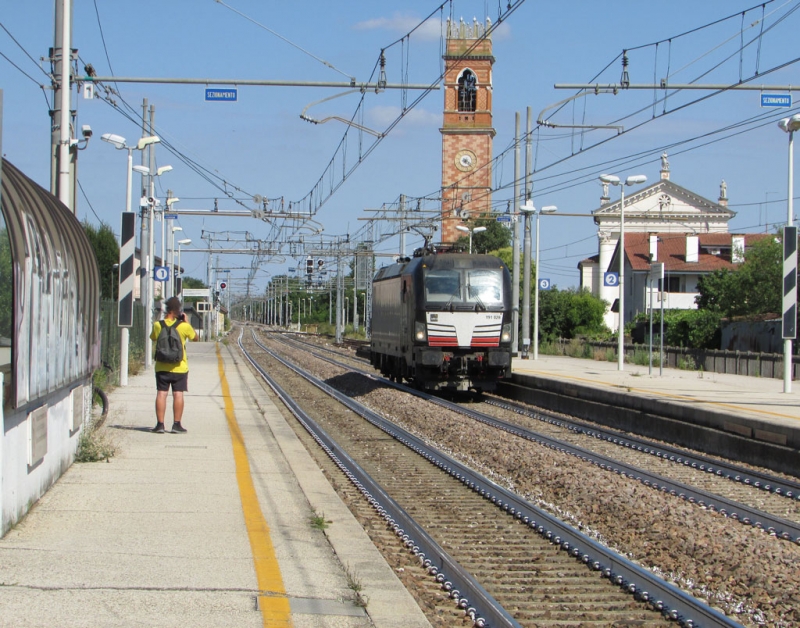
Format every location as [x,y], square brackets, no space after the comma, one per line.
[169,347]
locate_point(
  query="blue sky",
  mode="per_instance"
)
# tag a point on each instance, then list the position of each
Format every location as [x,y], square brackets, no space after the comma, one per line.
[260,146]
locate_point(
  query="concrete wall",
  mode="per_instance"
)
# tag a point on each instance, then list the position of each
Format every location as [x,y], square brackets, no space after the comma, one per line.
[23,483]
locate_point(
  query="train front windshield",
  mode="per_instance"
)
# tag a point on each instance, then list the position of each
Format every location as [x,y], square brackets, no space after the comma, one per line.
[477,286]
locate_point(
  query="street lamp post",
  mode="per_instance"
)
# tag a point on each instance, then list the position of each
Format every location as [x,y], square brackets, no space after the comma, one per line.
[178,272]
[148,271]
[170,260]
[635,179]
[470,232]
[118,142]
[790,125]
[527,209]
[165,246]
[547,209]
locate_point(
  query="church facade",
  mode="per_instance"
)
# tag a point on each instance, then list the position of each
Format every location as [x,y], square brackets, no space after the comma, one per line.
[664,223]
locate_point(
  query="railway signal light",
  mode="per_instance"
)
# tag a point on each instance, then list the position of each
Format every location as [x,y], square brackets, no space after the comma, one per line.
[309,265]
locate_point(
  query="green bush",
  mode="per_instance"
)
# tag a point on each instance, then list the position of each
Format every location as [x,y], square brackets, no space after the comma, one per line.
[695,329]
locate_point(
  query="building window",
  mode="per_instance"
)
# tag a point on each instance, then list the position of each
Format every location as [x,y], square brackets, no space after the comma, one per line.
[467,91]
[671,284]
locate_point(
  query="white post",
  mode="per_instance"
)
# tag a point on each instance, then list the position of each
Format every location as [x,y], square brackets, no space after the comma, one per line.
[621,340]
[787,343]
[536,297]
[125,336]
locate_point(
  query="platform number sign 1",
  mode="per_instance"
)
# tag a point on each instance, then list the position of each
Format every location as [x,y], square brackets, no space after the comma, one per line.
[789,283]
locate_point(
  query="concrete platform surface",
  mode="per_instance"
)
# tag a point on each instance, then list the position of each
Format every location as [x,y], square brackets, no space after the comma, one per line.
[209,528]
[756,400]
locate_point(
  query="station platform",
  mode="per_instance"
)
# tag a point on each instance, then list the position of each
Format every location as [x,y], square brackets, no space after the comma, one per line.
[749,407]
[209,528]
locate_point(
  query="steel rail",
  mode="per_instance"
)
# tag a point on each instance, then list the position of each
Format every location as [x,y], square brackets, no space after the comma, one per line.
[460,585]
[780,527]
[668,599]
[719,468]
[749,477]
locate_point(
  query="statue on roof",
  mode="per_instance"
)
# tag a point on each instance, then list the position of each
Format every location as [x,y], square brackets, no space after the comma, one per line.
[723,191]
[664,162]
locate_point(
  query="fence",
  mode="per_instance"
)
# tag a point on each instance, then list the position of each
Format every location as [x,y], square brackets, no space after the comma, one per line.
[111,335]
[747,363]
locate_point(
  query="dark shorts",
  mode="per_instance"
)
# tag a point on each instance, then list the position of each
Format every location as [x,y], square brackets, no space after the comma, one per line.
[178,381]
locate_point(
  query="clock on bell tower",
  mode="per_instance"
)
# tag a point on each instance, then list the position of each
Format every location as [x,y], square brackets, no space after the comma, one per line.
[467,130]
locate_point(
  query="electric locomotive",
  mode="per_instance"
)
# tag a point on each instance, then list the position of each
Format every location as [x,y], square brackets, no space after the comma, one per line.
[443,322]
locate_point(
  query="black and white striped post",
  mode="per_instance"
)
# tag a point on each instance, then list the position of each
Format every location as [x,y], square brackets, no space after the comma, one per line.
[789,327]
[127,250]
[790,125]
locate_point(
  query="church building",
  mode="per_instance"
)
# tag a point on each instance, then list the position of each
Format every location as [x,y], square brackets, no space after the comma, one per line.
[665,223]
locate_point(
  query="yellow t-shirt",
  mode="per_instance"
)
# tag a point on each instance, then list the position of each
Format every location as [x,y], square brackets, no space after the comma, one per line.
[186,332]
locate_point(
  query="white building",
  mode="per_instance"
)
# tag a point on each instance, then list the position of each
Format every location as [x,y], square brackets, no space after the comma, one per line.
[667,223]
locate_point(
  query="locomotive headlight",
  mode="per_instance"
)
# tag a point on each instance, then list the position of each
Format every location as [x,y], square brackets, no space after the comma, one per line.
[505,336]
[420,331]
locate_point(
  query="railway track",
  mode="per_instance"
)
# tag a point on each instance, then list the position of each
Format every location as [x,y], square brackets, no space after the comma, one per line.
[753,497]
[542,571]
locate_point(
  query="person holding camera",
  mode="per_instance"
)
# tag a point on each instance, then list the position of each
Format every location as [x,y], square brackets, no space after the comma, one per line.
[171,365]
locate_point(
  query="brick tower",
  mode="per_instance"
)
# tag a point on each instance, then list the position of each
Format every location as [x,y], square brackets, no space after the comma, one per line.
[467,130]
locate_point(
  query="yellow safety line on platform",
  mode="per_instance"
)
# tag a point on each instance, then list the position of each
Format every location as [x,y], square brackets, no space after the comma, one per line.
[272,600]
[594,382]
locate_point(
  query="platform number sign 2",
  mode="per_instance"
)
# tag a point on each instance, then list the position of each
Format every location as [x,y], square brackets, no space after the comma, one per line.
[611,279]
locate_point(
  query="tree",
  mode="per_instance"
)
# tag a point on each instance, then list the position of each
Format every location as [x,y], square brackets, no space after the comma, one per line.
[106,250]
[752,289]
[570,313]
[495,237]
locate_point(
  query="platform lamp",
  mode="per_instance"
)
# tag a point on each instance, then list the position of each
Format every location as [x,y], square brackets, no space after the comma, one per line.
[547,209]
[171,258]
[635,179]
[118,142]
[167,248]
[470,232]
[148,356]
[179,272]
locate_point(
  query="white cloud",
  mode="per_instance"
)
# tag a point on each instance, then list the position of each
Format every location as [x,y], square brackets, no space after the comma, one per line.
[382,116]
[402,24]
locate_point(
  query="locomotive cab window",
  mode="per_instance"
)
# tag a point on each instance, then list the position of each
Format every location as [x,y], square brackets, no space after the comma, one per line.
[443,286]
[474,286]
[485,286]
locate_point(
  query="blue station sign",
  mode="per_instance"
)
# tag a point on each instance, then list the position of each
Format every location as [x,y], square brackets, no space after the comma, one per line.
[776,100]
[219,94]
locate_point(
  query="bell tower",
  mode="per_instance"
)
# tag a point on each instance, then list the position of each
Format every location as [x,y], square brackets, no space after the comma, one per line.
[467,130]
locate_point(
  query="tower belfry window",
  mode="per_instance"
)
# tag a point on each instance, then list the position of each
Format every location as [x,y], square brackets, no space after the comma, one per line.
[467,91]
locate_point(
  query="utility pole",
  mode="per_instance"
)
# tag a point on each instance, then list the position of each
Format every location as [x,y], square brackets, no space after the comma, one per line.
[60,135]
[515,247]
[526,283]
